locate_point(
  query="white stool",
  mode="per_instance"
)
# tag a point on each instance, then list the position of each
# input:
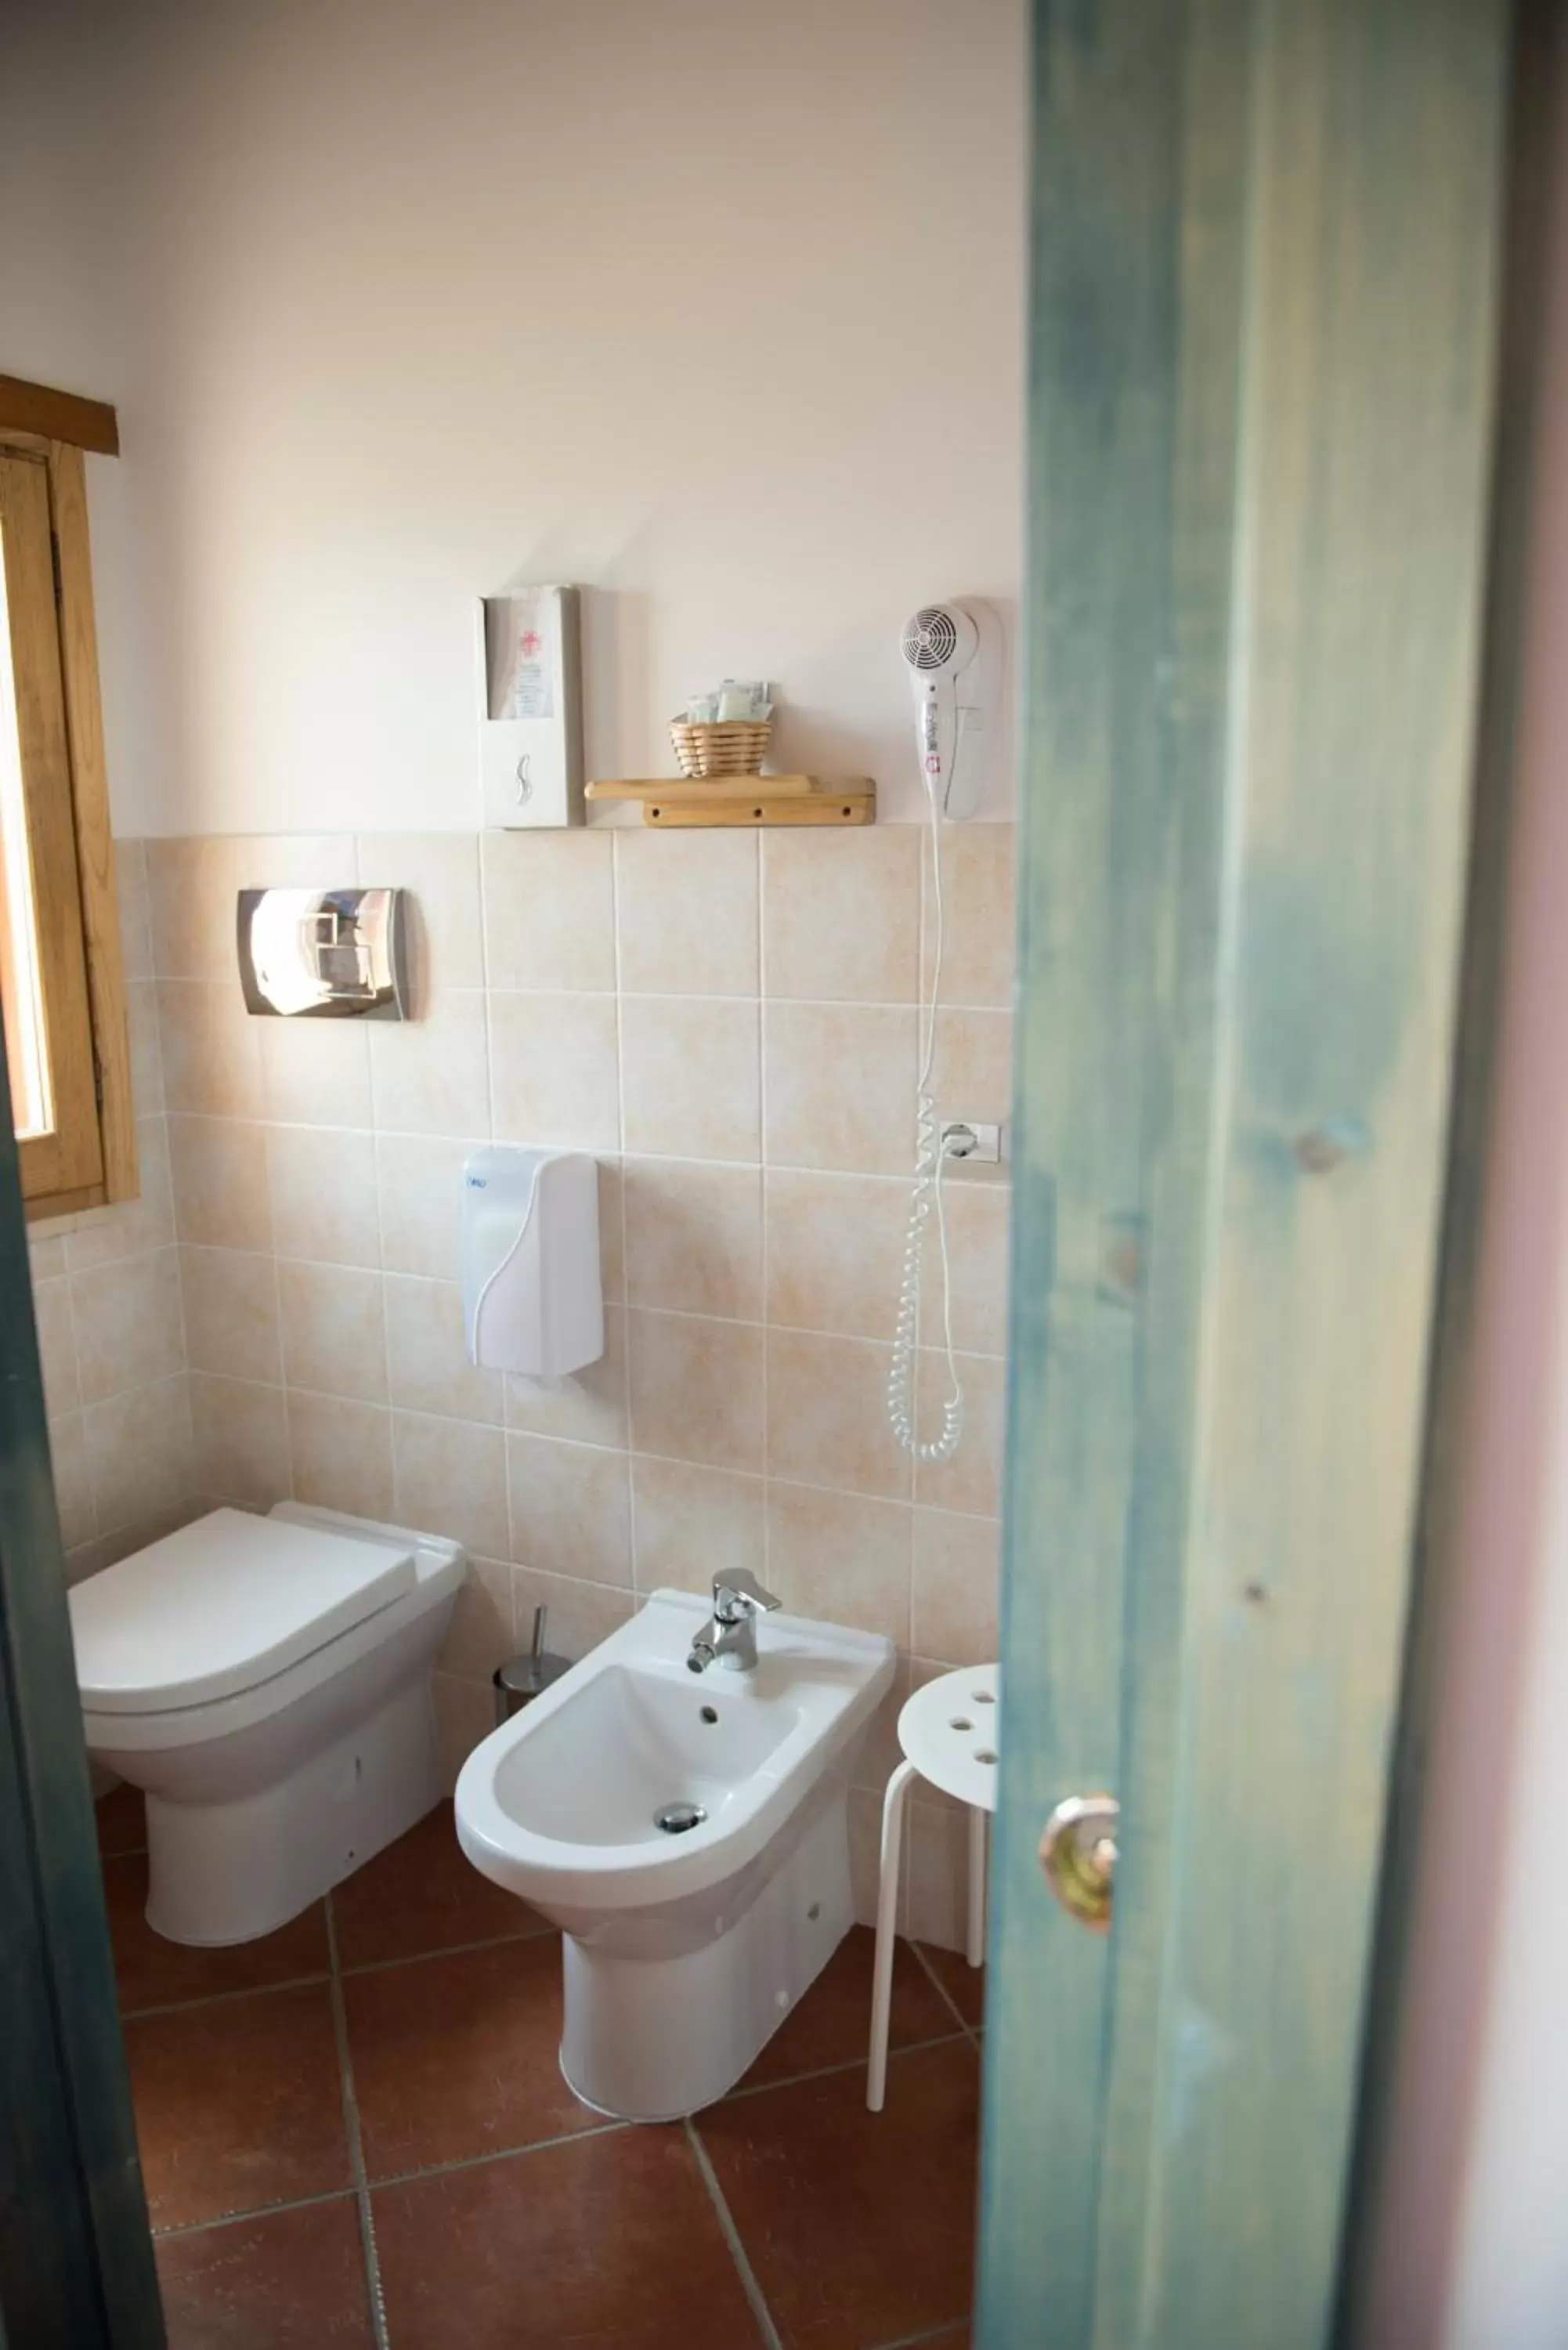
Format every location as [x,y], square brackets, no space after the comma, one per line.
[949,1732]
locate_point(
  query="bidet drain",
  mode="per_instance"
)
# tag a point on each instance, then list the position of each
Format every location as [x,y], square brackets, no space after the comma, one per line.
[676,1818]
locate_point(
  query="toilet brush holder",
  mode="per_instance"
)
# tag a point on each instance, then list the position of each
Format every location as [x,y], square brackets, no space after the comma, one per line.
[518,1683]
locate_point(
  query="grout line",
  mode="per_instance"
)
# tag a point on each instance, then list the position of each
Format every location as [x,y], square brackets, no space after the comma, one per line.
[500,2153]
[356,2144]
[224,1998]
[969,2031]
[731,2236]
[948,2326]
[254,2211]
[453,1950]
[848,2064]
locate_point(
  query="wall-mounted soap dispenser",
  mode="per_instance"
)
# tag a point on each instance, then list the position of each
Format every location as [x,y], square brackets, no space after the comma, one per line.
[531,1301]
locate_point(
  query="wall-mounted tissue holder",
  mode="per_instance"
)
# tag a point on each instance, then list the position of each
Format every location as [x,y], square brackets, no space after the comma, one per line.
[324,954]
[531,1301]
[531,729]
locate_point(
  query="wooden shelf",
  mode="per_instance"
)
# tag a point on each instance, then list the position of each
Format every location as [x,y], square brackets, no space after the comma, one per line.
[676,802]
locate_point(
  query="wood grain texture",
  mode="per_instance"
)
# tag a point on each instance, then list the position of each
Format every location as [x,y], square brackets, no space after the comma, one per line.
[95,845]
[70,1154]
[34,409]
[1262,329]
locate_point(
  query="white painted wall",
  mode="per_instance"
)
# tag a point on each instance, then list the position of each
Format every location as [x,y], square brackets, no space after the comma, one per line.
[713,304]
[1474,2236]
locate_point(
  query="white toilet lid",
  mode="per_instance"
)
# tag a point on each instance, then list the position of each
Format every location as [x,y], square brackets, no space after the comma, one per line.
[222,1606]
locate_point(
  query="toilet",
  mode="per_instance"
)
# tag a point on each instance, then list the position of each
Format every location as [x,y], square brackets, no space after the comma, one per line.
[267,1681]
[689,1833]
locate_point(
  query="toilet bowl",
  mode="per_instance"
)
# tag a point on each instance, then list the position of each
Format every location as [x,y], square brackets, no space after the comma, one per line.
[268,1682]
[688,1834]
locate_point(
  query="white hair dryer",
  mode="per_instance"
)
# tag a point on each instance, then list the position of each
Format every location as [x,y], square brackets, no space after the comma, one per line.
[953,653]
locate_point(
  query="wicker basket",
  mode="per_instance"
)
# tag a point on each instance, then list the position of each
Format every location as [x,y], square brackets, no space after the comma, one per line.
[735,748]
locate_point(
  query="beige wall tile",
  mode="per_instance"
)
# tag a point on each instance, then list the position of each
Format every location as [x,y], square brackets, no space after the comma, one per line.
[612,1229]
[323,1185]
[291,860]
[938,1894]
[334,1330]
[976,1219]
[427,1354]
[696,1388]
[686,907]
[418,1184]
[138,1449]
[465,1714]
[231,1313]
[836,1252]
[570,1508]
[828,1415]
[342,1453]
[242,1442]
[553,1071]
[211,1048]
[219,1172]
[134,910]
[690,1077]
[980,950]
[549,911]
[841,1557]
[691,1523]
[971,1480]
[479,1637]
[316,1072]
[131,1226]
[127,1318]
[957,1575]
[694,1237]
[441,872]
[973,1067]
[146,1050]
[880,1751]
[866,1857]
[71,1463]
[450,1478]
[577,1615]
[192,886]
[588,1407]
[46,1247]
[841,914]
[108,1550]
[56,1346]
[840,1086]
[431,1075]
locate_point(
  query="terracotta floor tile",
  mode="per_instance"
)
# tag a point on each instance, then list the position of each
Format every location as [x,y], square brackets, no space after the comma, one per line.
[832,2025]
[294,2280]
[153,1972]
[610,2242]
[121,1817]
[238,2105]
[859,2226]
[964,1984]
[459,2056]
[421,1895]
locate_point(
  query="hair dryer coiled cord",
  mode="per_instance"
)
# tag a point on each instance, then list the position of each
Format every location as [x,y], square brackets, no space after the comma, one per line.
[926,1197]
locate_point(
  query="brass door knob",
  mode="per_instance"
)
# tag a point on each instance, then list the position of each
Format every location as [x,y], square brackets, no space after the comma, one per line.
[1078,1853]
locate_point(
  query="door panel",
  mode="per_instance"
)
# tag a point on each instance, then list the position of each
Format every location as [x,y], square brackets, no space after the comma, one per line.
[1262,335]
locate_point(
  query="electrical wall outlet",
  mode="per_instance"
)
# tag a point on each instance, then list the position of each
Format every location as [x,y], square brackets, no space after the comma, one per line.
[968,1137]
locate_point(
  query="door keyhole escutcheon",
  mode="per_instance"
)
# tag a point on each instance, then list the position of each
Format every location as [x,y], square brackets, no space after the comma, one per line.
[1078,1855]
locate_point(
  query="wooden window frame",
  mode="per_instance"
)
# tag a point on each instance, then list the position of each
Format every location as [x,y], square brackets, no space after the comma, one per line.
[58,428]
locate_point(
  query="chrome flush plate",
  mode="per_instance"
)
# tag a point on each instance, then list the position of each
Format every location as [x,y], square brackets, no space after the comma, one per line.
[324,954]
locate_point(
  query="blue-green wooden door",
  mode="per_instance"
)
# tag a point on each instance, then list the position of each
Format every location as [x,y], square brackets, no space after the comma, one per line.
[1263,299]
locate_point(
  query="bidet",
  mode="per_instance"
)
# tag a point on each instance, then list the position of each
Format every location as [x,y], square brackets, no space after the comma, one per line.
[690,1839]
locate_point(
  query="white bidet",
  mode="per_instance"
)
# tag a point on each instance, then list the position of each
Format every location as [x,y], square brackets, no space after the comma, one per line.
[689,1835]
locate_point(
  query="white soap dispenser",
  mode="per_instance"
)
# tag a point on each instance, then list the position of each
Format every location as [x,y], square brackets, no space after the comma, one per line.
[532,1302]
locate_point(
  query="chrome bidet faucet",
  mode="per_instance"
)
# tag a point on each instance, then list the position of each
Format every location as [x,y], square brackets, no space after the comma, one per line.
[731,1632]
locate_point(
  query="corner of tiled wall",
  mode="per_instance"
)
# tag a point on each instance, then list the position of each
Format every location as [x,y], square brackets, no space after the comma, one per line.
[729,1021]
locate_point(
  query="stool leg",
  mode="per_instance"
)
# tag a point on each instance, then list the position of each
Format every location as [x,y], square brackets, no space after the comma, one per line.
[974,1948]
[887,1932]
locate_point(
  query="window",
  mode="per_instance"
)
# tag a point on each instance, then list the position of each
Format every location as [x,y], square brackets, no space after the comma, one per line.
[62,995]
